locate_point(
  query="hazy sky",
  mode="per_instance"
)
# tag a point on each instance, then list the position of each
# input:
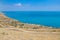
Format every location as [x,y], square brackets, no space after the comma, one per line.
[29,5]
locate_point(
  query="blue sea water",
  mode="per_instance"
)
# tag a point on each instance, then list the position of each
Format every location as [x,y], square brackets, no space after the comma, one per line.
[47,18]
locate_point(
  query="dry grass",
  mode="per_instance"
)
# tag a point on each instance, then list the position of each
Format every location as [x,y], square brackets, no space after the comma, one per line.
[11,29]
[15,34]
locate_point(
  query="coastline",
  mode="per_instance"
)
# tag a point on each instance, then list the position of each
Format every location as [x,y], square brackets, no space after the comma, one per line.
[18,22]
[11,29]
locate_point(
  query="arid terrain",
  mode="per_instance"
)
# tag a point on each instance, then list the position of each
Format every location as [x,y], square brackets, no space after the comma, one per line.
[11,29]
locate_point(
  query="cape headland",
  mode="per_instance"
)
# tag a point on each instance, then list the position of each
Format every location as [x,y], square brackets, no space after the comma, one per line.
[11,29]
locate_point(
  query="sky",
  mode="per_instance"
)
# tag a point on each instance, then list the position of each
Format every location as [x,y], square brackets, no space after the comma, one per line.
[29,5]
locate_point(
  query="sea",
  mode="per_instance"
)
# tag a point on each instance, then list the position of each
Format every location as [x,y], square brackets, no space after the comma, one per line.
[45,18]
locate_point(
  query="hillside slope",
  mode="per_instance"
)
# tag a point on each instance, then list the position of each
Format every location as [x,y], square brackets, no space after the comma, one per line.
[11,29]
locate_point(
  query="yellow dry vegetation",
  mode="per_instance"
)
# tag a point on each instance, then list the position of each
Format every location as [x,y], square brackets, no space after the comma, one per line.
[15,34]
[11,29]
